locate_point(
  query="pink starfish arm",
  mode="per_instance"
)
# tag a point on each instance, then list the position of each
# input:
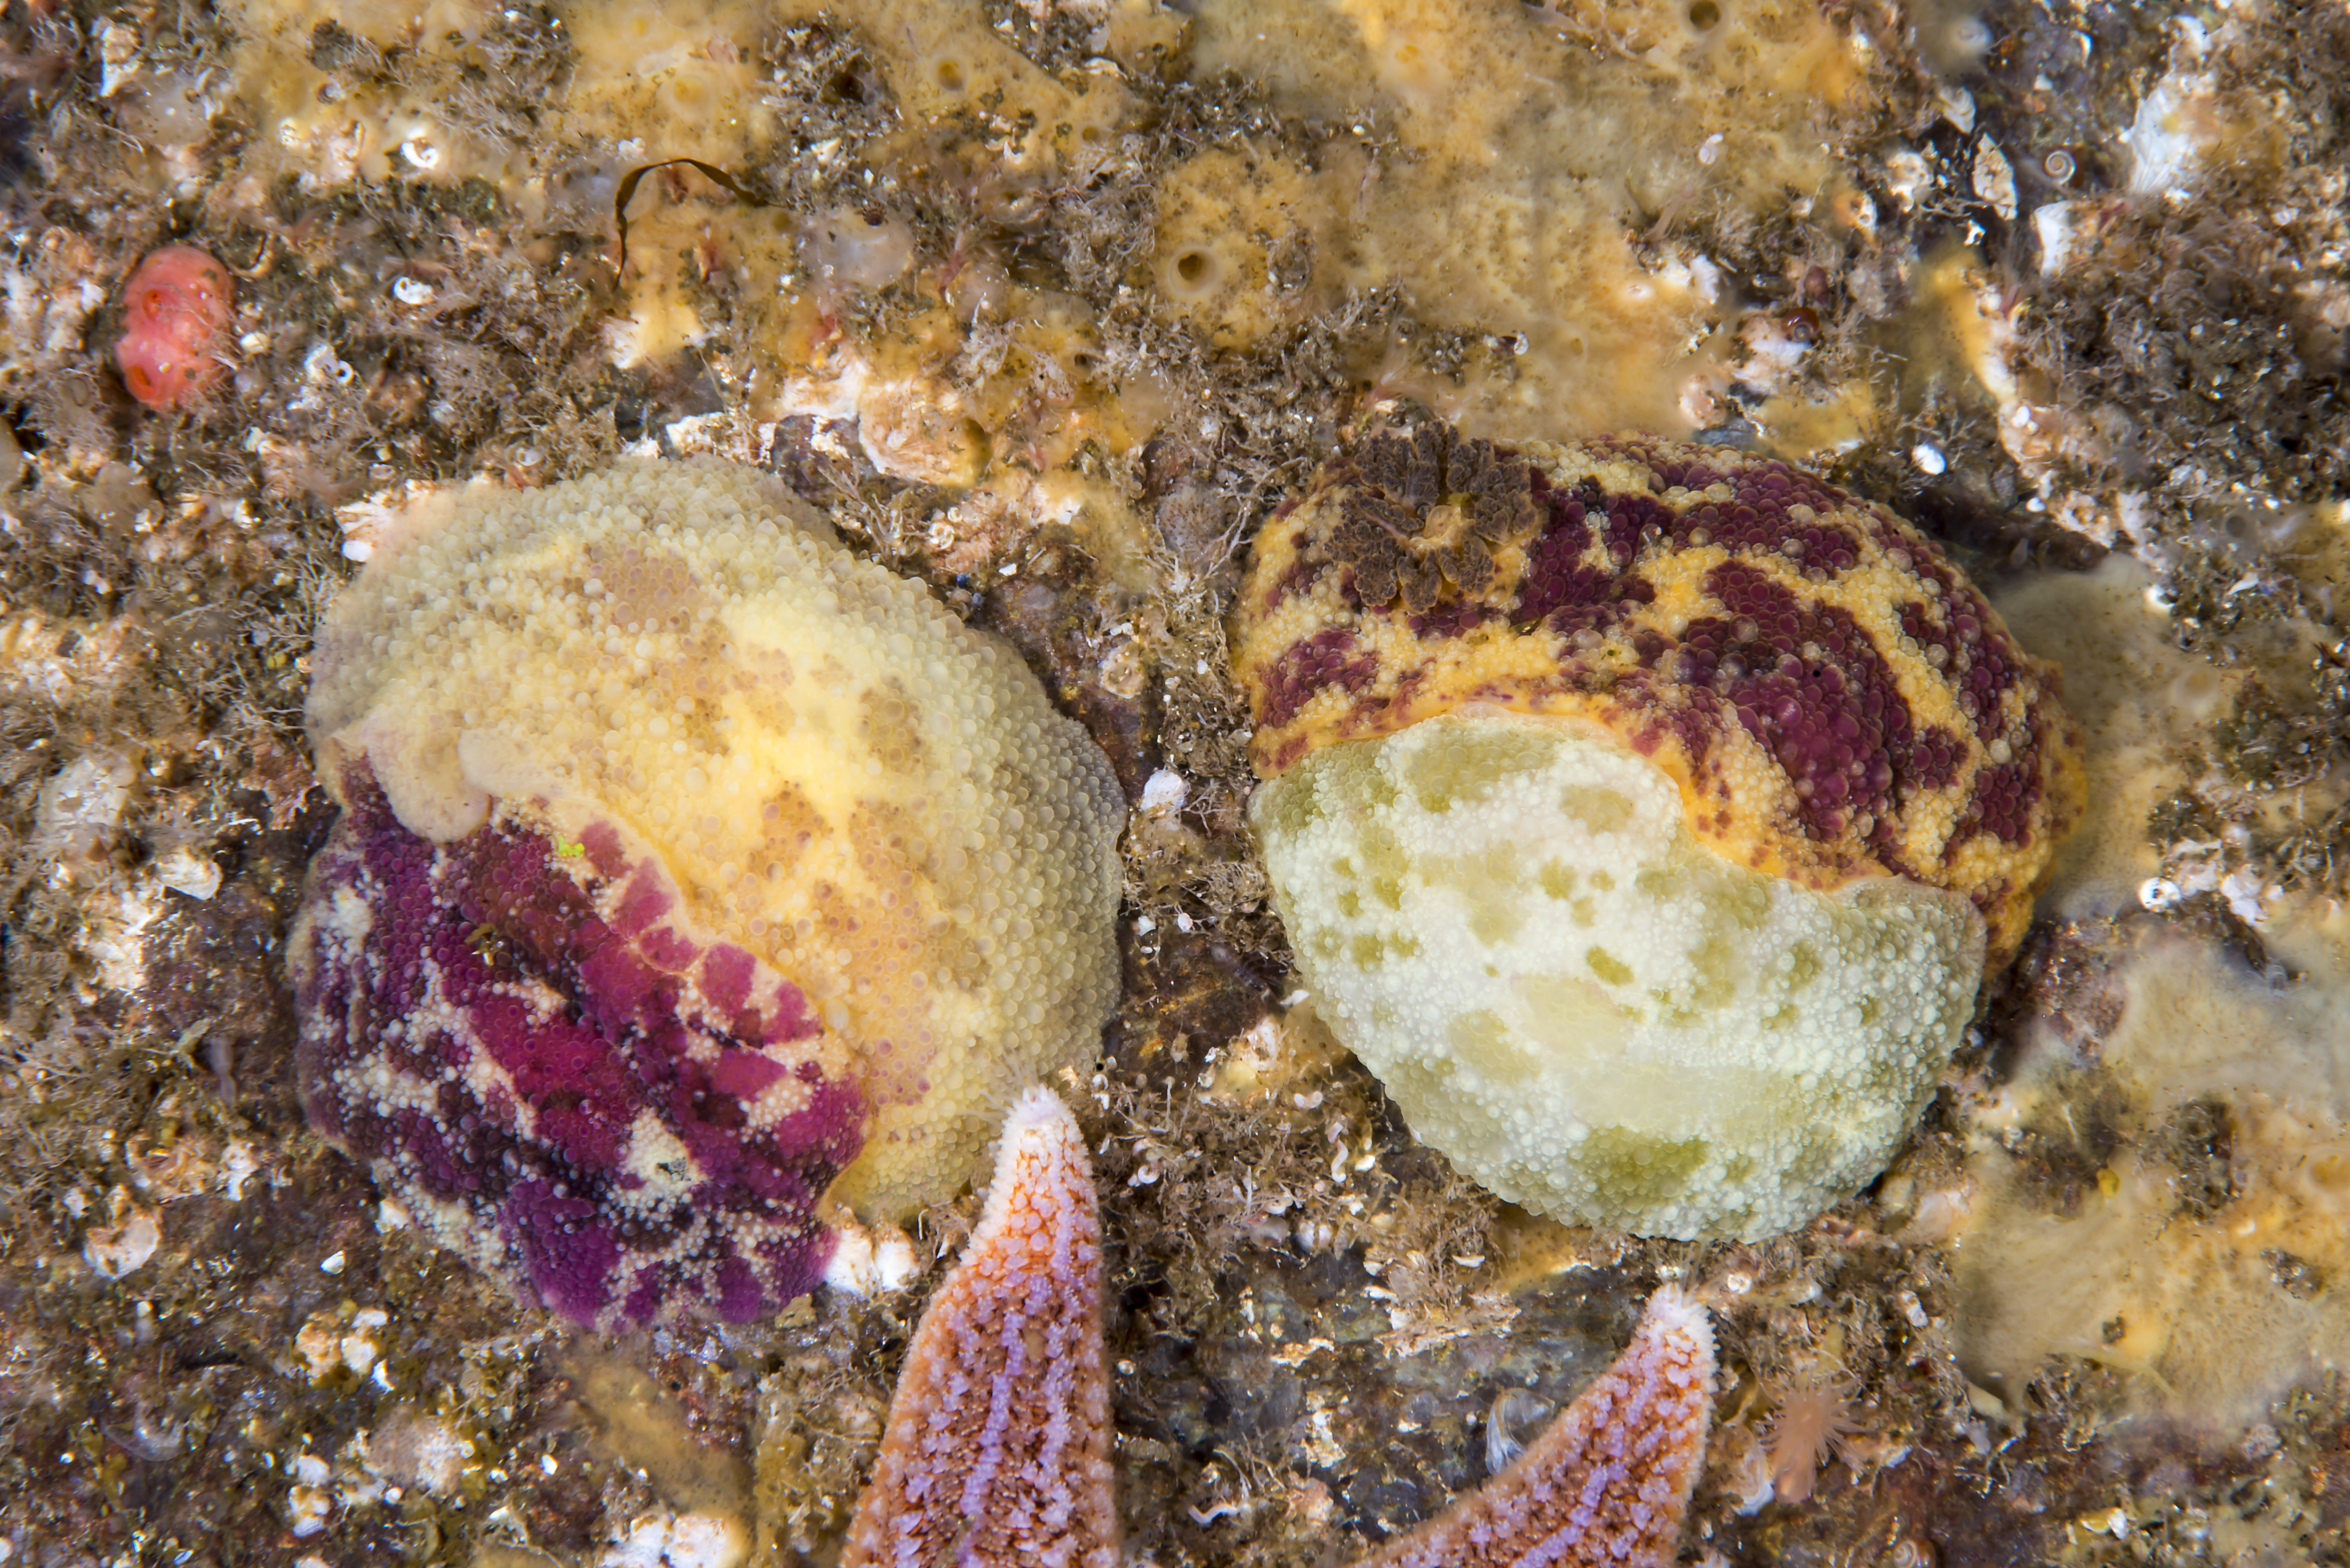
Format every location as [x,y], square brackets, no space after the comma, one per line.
[997,1450]
[1609,1482]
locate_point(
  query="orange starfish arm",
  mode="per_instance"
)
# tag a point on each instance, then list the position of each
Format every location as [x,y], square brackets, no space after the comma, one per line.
[1609,1482]
[997,1450]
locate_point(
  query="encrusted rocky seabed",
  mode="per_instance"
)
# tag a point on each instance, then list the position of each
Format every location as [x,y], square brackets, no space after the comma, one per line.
[1049,306]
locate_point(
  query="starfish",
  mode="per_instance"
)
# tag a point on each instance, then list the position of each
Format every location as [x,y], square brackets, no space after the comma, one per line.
[1610,1480]
[996,1454]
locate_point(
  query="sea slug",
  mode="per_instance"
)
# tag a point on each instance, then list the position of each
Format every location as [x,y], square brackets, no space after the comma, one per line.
[696,882]
[1642,815]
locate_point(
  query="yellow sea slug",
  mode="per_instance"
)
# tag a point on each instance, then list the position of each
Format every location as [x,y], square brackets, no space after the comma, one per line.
[695,880]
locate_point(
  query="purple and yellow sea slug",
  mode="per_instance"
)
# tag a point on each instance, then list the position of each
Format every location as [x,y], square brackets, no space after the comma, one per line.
[697,884]
[1641,813]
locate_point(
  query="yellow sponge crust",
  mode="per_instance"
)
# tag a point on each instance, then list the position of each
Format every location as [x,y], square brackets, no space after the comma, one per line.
[1832,697]
[836,772]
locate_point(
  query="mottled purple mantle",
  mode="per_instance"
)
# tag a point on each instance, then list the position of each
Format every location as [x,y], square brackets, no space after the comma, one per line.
[516,1037]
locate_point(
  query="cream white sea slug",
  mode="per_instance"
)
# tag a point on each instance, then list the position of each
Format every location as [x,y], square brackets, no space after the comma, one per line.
[1643,814]
[696,883]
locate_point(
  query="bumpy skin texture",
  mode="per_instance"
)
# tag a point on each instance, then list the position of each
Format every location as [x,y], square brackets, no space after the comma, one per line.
[1834,699]
[175,315]
[515,1034]
[696,879]
[1607,1485]
[997,1451]
[1505,917]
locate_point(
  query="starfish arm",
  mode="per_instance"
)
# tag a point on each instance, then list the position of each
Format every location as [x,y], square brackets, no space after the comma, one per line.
[1609,1482]
[996,1454]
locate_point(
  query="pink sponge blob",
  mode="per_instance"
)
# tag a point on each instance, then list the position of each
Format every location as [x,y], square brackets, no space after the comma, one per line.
[176,309]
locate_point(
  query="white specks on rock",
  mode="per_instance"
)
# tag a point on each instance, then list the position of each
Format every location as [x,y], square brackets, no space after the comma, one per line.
[123,1245]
